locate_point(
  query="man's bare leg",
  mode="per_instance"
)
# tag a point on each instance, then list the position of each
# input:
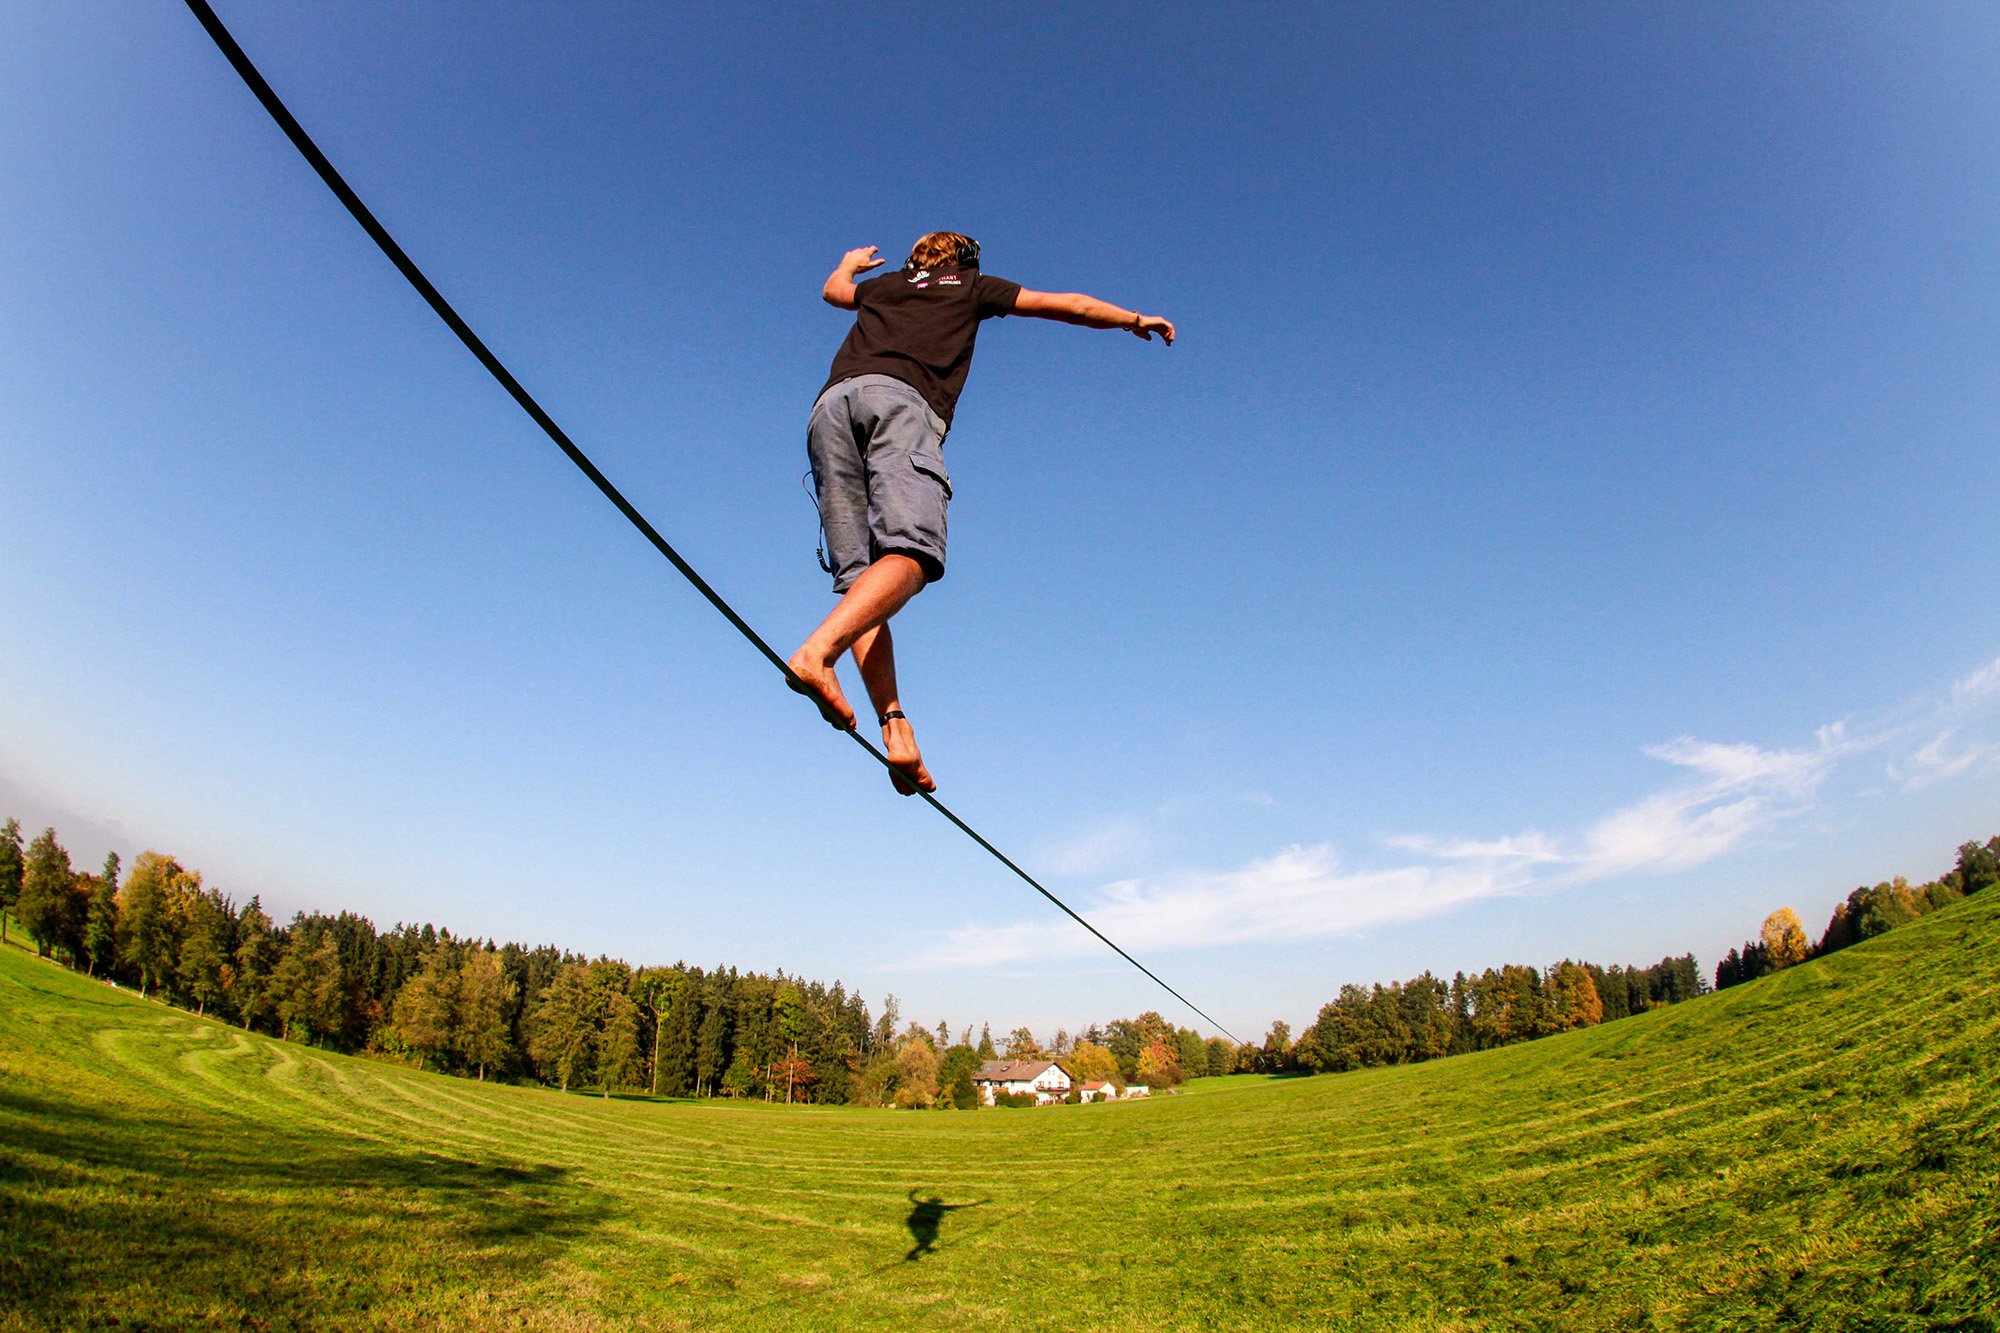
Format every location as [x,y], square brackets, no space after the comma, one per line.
[875,654]
[883,589]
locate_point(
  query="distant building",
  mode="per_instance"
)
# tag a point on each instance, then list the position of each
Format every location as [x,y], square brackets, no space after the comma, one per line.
[1043,1079]
[1098,1092]
[1138,1090]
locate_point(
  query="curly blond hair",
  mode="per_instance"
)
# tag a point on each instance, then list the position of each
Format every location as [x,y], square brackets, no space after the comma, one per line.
[937,250]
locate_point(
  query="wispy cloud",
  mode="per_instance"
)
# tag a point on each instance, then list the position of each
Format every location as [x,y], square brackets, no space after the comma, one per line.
[1942,758]
[1299,892]
[1741,791]
[1979,685]
[1727,796]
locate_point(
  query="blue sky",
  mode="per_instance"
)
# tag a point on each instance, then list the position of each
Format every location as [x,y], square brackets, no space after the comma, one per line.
[1560,530]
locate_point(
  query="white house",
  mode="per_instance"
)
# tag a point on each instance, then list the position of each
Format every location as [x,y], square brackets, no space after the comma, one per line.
[1042,1078]
[1098,1092]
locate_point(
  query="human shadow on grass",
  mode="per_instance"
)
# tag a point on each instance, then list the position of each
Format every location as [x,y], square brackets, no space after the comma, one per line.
[926,1216]
[230,1210]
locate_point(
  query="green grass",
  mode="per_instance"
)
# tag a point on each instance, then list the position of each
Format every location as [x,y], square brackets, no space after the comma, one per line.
[1816,1150]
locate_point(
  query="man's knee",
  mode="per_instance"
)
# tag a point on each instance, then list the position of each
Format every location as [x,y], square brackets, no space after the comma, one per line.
[921,566]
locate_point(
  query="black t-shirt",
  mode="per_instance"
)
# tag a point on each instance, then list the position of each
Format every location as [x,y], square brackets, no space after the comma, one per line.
[919,326]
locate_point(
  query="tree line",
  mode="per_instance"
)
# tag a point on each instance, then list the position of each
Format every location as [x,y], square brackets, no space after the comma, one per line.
[421,996]
[1427,1018]
[1869,911]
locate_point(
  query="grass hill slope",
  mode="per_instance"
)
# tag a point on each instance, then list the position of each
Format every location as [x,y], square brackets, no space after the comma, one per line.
[1818,1149]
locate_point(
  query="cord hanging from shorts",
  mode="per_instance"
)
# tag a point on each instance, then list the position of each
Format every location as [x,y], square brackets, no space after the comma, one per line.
[435,299]
[811,485]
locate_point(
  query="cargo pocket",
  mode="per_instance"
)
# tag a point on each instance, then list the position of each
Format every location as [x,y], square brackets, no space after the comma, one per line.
[932,465]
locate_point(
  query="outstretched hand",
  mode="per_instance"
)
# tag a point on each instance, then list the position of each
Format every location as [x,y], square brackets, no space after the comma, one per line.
[860,261]
[1149,325]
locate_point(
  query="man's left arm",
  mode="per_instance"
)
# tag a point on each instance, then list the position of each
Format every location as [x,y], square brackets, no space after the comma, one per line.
[1090,313]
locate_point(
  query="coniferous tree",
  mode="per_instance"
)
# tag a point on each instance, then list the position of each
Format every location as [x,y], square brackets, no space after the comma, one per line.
[203,969]
[13,866]
[257,951]
[1192,1052]
[712,1037]
[564,1029]
[100,923]
[48,893]
[985,1048]
[680,1028]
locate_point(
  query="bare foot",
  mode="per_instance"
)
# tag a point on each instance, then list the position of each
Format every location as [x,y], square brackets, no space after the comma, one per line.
[824,683]
[899,742]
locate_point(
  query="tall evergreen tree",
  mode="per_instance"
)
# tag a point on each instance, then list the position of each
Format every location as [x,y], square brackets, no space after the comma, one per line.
[258,948]
[100,926]
[564,1029]
[712,1039]
[48,893]
[203,969]
[13,866]
[680,1028]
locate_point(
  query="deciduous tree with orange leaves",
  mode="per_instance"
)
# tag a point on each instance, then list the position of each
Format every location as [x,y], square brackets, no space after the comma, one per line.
[1784,939]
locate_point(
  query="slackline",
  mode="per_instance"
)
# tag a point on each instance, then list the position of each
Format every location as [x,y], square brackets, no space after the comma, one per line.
[380,235]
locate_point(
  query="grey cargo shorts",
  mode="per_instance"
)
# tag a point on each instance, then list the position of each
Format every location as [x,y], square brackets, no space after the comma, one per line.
[877,452]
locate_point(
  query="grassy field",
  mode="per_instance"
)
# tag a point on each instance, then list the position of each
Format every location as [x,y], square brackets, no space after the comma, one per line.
[1816,1150]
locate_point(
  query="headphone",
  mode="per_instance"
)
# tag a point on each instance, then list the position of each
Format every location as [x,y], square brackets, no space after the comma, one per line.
[967,255]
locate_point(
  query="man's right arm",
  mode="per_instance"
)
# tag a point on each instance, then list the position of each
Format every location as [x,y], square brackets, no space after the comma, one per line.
[1091,313]
[839,289]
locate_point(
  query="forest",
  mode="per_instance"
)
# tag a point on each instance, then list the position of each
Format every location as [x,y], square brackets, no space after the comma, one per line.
[419,995]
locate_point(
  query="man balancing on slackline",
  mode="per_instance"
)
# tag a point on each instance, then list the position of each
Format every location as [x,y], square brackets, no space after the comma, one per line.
[876,442]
